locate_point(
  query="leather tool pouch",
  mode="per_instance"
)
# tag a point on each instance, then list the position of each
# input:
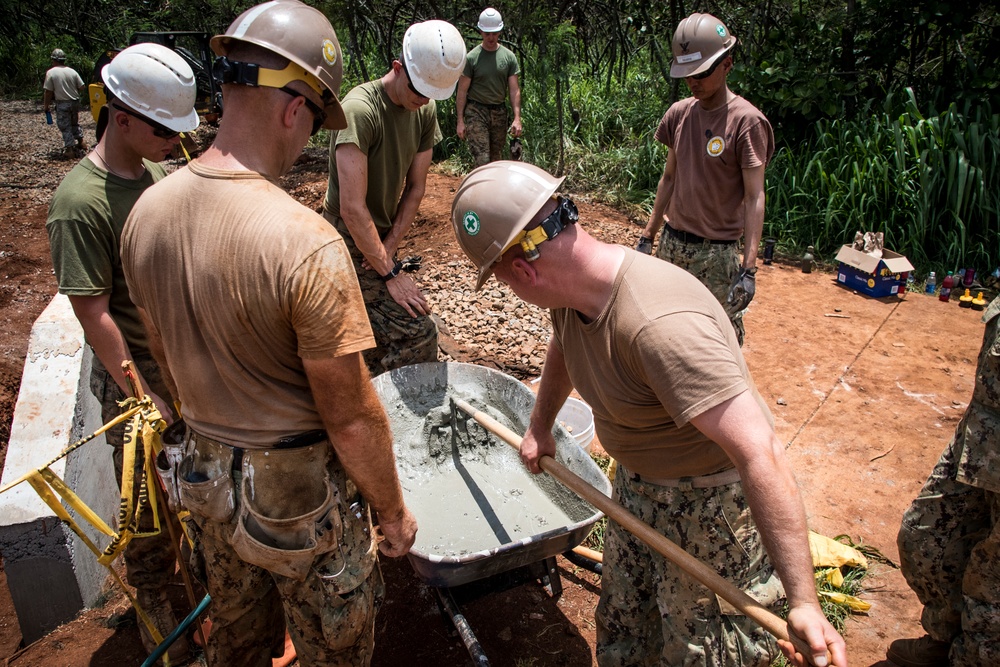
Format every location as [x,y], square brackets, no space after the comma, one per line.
[205,479]
[290,510]
[168,461]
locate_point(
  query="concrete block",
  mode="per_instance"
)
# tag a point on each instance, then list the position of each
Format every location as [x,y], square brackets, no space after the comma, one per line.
[51,573]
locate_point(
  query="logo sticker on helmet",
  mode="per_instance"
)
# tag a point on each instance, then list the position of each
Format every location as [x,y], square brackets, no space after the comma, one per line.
[715,146]
[721,29]
[329,52]
[471,223]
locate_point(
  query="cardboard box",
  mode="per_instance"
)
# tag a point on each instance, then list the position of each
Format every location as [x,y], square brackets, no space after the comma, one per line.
[873,276]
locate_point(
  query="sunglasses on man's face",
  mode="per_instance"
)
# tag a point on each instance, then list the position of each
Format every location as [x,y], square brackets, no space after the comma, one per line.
[160,131]
[707,73]
[319,116]
[409,82]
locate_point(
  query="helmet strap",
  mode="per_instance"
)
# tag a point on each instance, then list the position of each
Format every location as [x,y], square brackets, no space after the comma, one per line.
[251,74]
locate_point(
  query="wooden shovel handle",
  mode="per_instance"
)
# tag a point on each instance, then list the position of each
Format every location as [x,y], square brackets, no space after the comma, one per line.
[745,604]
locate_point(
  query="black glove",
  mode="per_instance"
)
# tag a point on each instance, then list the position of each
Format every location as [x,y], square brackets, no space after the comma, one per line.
[645,245]
[742,290]
[412,263]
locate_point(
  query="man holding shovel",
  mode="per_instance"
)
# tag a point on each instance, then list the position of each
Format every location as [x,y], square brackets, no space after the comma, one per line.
[675,404]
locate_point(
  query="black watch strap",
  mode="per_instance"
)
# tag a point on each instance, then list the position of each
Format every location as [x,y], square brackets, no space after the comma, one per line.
[396,268]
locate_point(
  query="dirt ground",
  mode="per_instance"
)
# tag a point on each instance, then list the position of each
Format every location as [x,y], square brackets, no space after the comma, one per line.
[866,392]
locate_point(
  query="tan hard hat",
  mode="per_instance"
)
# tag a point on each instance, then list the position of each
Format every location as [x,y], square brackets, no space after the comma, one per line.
[698,42]
[493,204]
[300,33]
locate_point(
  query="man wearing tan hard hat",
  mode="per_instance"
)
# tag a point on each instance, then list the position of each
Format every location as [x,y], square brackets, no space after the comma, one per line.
[711,193]
[252,303]
[674,403]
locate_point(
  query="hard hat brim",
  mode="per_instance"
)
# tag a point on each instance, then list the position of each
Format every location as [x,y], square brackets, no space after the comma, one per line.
[695,67]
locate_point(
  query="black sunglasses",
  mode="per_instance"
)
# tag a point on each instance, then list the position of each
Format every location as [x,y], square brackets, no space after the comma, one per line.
[160,131]
[319,116]
[707,73]
[409,81]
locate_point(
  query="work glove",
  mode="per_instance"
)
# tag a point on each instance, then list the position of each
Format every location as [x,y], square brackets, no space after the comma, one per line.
[412,263]
[645,245]
[742,290]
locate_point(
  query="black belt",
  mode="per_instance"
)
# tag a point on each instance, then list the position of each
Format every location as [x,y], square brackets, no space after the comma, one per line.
[688,237]
[494,107]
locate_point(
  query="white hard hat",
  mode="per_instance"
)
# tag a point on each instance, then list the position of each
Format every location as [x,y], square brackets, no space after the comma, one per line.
[434,57]
[155,82]
[490,21]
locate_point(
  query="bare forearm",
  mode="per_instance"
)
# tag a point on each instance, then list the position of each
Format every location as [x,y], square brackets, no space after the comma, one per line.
[515,104]
[754,211]
[159,354]
[553,389]
[406,213]
[47,99]
[664,191]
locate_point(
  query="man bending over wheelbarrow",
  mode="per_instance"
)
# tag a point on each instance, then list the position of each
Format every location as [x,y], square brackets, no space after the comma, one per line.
[653,352]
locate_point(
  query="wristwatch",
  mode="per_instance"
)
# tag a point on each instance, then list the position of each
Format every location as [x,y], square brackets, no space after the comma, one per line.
[396,268]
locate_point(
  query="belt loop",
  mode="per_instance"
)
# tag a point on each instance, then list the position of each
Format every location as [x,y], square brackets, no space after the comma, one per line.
[685,483]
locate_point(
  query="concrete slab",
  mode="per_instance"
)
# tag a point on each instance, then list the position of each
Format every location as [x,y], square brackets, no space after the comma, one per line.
[50,571]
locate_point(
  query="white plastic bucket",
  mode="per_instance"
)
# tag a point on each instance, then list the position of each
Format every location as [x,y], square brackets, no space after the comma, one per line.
[578,419]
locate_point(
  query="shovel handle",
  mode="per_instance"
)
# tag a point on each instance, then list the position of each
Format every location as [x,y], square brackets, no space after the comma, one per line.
[694,567]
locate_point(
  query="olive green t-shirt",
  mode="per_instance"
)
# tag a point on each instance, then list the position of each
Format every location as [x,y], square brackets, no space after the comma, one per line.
[662,352]
[489,71]
[390,136]
[85,223]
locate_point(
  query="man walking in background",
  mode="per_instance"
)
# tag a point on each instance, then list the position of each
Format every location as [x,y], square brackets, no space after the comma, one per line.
[676,406]
[711,192]
[84,226]
[63,87]
[490,74]
[949,541]
[253,306]
[378,174]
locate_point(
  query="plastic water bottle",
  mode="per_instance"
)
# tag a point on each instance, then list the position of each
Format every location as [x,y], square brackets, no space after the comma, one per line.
[931,285]
[970,275]
[946,285]
[48,117]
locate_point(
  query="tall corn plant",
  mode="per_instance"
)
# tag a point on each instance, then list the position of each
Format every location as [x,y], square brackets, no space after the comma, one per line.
[930,183]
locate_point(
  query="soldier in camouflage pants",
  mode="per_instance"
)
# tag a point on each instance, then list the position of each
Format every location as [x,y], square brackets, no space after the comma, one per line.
[486,131]
[713,525]
[716,265]
[400,338]
[949,541]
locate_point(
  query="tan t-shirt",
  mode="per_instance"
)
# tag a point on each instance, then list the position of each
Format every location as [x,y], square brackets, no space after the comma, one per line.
[64,83]
[712,148]
[242,283]
[663,351]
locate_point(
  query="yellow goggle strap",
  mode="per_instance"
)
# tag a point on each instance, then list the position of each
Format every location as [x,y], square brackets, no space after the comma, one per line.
[279,78]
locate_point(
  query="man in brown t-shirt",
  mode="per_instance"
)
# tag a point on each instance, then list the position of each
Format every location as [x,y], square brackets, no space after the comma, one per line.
[253,309]
[711,193]
[674,402]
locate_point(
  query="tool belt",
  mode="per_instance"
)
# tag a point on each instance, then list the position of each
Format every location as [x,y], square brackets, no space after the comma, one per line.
[688,237]
[491,107]
[723,478]
[289,510]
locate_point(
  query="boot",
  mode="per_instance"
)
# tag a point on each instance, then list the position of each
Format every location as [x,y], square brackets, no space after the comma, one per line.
[157,607]
[923,652]
[69,152]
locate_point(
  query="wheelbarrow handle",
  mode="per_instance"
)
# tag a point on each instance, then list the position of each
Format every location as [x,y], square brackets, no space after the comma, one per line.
[694,567]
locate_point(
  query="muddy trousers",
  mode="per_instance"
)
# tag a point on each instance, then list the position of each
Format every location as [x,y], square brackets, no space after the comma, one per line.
[150,562]
[68,122]
[399,338]
[486,131]
[651,613]
[949,551]
[714,264]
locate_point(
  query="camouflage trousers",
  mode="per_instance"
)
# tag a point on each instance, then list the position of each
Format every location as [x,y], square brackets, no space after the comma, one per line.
[329,613]
[68,122]
[949,553]
[400,339]
[714,264]
[651,612]
[150,562]
[486,131]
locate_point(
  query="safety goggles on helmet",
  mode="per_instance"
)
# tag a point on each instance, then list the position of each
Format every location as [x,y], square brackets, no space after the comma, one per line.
[409,81]
[707,73]
[251,74]
[565,214]
[160,131]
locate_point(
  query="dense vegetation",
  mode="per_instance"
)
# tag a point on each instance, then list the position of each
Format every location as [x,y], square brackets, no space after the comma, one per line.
[886,112]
